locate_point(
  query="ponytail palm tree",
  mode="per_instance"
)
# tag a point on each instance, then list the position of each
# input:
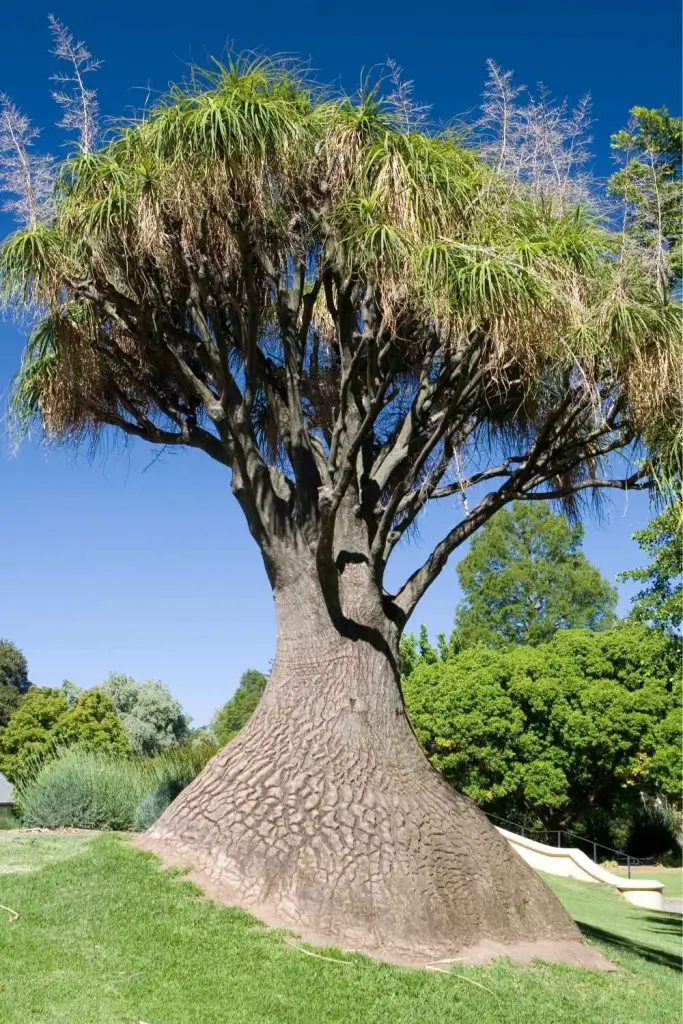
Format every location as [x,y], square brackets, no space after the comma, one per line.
[358,319]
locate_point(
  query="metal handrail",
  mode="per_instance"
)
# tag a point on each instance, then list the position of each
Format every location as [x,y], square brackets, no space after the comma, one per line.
[524,830]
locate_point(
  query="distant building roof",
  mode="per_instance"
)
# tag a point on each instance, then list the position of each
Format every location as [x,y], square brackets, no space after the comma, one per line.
[6,791]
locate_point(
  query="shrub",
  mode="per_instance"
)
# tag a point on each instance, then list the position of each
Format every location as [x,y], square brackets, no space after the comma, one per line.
[184,763]
[172,771]
[30,731]
[657,831]
[154,805]
[80,788]
[84,789]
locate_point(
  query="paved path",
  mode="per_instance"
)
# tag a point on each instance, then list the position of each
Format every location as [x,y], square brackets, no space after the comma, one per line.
[673,906]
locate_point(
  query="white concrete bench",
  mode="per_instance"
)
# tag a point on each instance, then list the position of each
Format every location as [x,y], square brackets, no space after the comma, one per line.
[572,863]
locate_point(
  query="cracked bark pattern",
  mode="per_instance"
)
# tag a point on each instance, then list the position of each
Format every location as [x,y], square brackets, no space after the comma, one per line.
[324,816]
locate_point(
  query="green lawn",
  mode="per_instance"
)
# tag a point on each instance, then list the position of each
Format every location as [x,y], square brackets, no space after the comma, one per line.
[106,937]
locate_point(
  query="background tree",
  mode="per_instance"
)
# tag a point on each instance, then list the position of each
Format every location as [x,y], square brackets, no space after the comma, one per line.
[234,715]
[29,729]
[153,720]
[9,702]
[44,721]
[525,577]
[13,667]
[357,317]
[14,681]
[70,691]
[569,734]
[416,648]
[660,602]
[650,185]
[92,722]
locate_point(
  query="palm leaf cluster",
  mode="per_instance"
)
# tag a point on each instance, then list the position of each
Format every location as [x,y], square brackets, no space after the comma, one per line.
[169,252]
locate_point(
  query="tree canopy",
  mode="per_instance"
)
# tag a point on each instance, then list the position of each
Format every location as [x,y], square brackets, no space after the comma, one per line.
[525,577]
[660,602]
[44,721]
[348,310]
[14,681]
[560,734]
[234,715]
[9,702]
[153,720]
[13,667]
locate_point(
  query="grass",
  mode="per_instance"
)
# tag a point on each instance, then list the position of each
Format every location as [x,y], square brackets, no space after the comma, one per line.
[105,937]
[23,853]
[622,929]
[7,819]
[672,878]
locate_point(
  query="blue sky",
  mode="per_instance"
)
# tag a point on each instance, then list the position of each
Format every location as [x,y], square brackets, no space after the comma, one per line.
[117,561]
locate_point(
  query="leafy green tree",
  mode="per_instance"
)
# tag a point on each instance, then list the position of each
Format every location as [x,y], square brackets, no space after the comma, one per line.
[651,187]
[234,715]
[10,700]
[153,720]
[556,733]
[92,722]
[417,649]
[355,317]
[525,577]
[14,681]
[45,721]
[649,184]
[660,602]
[13,667]
[70,691]
[30,729]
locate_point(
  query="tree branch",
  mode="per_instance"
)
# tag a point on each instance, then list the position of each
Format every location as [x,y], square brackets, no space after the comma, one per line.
[545,460]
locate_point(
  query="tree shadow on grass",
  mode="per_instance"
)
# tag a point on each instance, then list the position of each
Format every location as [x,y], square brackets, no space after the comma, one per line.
[651,953]
[665,924]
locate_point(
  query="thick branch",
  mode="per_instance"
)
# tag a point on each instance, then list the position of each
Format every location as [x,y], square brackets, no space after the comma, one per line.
[191,436]
[416,584]
[546,460]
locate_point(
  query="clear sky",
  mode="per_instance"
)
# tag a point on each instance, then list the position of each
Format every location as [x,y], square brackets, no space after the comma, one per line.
[121,562]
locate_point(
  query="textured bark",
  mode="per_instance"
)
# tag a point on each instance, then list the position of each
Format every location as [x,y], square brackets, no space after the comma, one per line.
[324,815]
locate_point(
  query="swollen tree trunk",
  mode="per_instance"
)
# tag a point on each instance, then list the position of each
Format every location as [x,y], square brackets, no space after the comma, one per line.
[324,816]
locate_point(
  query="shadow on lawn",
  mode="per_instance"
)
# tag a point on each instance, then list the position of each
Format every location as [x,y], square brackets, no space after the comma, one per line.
[665,924]
[656,956]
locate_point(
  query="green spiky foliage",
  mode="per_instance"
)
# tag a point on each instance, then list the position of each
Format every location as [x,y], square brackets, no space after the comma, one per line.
[347,312]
